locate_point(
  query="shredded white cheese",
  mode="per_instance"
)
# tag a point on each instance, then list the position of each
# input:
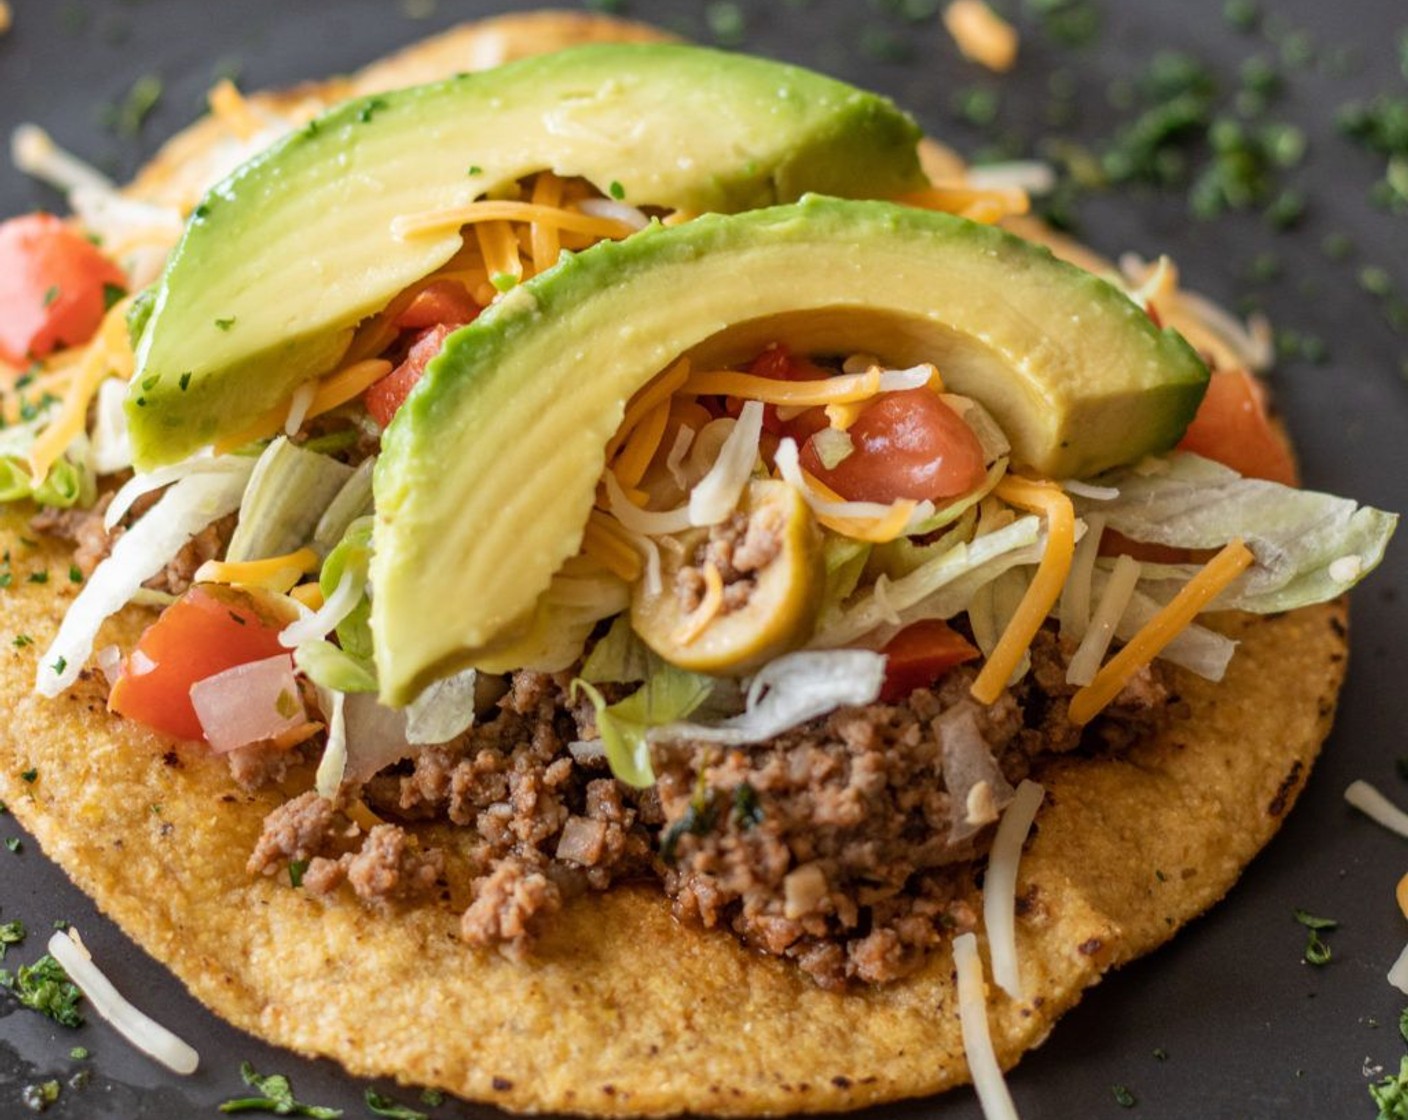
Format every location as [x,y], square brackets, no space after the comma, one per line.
[1104,622]
[34,152]
[147,1035]
[1377,807]
[1000,887]
[993,1096]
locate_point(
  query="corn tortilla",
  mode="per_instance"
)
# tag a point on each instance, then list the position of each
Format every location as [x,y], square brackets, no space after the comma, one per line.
[622,1011]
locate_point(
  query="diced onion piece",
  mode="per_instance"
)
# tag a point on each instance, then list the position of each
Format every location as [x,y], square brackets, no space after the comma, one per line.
[342,602]
[1398,974]
[1075,592]
[1085,662]
[1377,807]
[1045,589]
[147,1035]
[992,1091]
[1000,887]
[248,703]
[1196,594]
[716,495]
[833,447]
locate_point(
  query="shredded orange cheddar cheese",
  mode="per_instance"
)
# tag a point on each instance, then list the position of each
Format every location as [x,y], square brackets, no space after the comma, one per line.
[708,608]
[1045,498]
[276,573]
[1155,634]
[475,213]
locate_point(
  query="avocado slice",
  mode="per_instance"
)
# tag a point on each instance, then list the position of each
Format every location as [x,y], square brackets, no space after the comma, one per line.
[524,400]
[282,260]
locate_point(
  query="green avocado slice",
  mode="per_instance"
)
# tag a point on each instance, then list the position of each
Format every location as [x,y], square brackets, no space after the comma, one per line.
[489,470]
[282,260]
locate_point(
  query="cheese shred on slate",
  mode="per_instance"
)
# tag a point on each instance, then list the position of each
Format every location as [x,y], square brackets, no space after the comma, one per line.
[1000,886]
[992,1090]
[147,1035]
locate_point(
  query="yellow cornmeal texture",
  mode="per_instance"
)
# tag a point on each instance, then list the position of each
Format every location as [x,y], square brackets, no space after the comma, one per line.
[624,1011]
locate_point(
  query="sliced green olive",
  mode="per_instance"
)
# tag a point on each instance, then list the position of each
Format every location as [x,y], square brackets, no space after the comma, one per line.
[736,595]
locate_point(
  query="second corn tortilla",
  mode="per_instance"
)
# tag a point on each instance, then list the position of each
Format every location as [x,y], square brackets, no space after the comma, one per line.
[624,1011]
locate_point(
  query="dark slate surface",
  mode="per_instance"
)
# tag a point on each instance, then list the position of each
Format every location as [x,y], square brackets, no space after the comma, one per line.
[1248,1030]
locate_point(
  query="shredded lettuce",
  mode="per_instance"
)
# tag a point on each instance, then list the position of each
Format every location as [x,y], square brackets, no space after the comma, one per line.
[668,694]
[330,667]
[619,658]
[287,495]
[71,481]
[353,553]
[1309,547]
[443,710]
[354,500]
[789,691]
[950,513]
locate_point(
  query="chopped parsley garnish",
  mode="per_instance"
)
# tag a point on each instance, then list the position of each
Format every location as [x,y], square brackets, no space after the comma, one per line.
[30,775]
[221,324]
[44,986]
[75,574]
[60,665]
[433,1097]
[21,640]
[370,109]
[127,118]
[1391,1094]
[50,295]
[616,190]
[475,169]
[11,933]
[1403,1024]
[184,380]
[385,1106]
[79,1053]
[1123,1097]
[276,1096]
[40,576]
[112,294]
[296,868]
[1317,952]
[14,844]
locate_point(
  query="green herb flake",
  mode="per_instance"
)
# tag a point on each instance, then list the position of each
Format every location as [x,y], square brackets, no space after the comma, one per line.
[1391,1094]
[39,577]
[11,933]
[14,844]
[60,665]
[1376,281]
[112,295]
[1242,15]
[725,22]
[127,118]
[475,169]
[1123,1097]
[51,293]
[223,325]
[1310,921]
[30,775]
[276,1096]
[44,986]
[432,1097]
[616,190]
[1403,1024]
[385,1106]
[370,109]
[79,1054]
[296,868]
[21,640]
[185,381]
[75,574]
[285,704]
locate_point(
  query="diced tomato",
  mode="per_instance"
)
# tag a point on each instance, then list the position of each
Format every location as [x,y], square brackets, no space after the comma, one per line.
[389,394]
[780,364]
[439,303]
[1232,426]
[907,445]
[208,630]
[53,287]
[919,655]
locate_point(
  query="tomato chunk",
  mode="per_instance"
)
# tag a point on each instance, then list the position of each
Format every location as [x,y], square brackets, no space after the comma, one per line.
[780,364]
[907,445]
[54,287]
[208,630]
[439,303]
[386,396]
[1232,427]
[920,654]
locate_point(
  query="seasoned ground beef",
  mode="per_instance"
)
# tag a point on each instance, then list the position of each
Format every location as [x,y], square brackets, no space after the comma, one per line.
[848,845]
[739,548]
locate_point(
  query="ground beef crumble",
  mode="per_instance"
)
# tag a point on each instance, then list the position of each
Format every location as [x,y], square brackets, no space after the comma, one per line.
[848,845]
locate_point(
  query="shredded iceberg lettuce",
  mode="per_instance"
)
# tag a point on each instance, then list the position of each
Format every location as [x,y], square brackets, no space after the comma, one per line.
[287,495]
[1309,547]
[330,667]
[619,658]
